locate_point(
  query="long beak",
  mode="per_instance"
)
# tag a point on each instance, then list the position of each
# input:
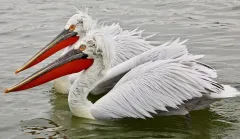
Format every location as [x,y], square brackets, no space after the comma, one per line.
[72,62]
[64,39]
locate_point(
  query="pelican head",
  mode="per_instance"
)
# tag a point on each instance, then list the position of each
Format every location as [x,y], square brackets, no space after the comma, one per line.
[95,48]
[76,27]
[80,23]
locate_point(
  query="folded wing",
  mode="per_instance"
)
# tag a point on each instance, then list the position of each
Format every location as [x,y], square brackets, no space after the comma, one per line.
[156,86]
[169,50]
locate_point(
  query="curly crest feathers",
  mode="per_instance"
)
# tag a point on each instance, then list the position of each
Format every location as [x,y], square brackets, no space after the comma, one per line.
[103,43]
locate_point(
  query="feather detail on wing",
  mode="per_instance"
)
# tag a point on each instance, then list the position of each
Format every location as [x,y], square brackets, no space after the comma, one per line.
[153,87]
[169,50]
[128,44]
[113,29]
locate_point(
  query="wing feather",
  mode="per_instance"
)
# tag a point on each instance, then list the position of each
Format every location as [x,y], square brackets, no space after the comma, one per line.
[168,50]
[160,85]
[127,43]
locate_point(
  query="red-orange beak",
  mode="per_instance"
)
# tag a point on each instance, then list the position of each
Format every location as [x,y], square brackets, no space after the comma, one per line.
[72,62]
[64,39]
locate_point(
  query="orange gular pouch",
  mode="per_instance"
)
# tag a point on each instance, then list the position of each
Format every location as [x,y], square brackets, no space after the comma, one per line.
[72,62]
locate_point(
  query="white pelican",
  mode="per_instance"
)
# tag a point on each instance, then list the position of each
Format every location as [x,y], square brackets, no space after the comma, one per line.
[165,80]
[76,27]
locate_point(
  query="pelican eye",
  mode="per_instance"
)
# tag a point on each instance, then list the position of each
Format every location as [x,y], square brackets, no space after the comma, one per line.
[82,47]
[80,21]
[72,27]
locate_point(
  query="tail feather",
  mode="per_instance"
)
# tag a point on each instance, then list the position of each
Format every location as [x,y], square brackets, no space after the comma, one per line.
[228,92]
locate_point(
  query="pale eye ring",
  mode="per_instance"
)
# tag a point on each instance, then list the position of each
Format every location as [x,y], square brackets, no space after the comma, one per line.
[82,47]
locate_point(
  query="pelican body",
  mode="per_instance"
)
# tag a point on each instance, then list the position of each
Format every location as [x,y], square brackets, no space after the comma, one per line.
[165,80]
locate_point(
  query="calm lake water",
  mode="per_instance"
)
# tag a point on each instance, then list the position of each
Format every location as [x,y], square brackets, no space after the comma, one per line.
[212,27]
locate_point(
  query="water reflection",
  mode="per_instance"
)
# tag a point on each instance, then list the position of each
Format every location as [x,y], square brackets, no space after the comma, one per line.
[40,128]
[205,124]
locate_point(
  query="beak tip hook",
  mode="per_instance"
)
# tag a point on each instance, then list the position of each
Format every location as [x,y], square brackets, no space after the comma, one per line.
[6,91]
[17,71]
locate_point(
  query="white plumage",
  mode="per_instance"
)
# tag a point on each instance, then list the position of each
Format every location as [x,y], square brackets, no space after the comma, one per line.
[163,52]
[152,87]
[164,80]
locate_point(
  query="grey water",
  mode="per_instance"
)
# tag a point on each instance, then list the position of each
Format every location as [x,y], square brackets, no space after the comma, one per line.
[212,27]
